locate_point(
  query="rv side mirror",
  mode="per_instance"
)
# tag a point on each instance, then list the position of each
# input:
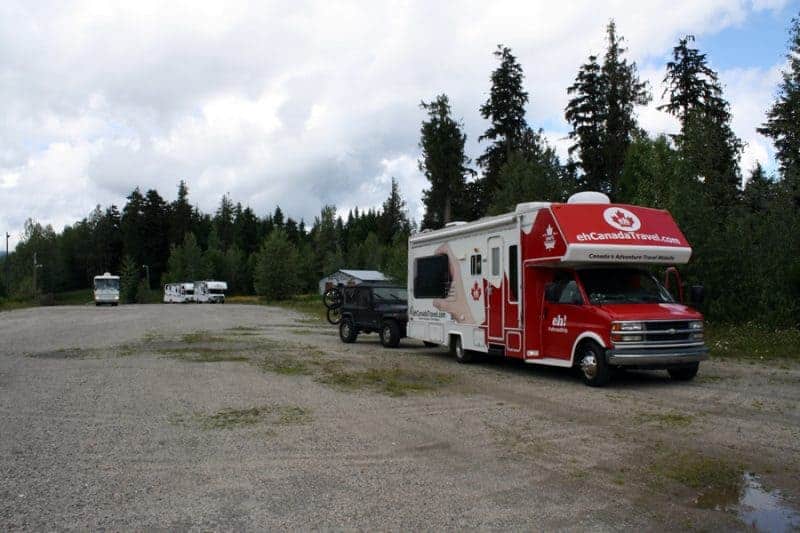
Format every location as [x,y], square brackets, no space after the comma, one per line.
[551,292]
[696,294]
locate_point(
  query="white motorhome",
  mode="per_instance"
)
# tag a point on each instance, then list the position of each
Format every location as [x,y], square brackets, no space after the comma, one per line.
[210,291]
[178,293]
[560,284]
[106,290]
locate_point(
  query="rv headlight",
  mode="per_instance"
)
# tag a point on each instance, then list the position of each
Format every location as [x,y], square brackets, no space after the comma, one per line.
[696,325]
[627,326]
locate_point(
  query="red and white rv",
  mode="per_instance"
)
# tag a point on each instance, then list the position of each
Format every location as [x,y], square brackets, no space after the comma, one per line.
[562,284]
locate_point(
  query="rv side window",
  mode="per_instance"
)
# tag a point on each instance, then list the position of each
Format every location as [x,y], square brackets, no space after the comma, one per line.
[432,277]
[512,273]
[496,261]
[475,265]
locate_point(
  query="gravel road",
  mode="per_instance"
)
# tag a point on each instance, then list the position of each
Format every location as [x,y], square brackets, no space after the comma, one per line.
[252,417]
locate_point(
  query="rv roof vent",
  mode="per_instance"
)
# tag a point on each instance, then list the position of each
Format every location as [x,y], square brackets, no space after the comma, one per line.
[588,197]
[454,223]
[531,206]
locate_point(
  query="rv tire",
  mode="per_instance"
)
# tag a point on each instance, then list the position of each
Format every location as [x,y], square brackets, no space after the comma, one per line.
[390,334]
[592,364]
[429,344]
[457,349]
[347,331]
[684,373]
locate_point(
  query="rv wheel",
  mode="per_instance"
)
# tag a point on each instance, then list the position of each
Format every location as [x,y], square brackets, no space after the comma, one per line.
[390,334]
[684,373]
[592,364]
[347,331]
[429,344]
[457,349]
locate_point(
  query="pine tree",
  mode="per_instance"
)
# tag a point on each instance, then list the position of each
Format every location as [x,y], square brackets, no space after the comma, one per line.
[758,191]
[783,118]
[393,221]
[180,215]
[275,273]
[444,164]
[602,114]
[623,92]
[129,280]
[505,109]
[707,142]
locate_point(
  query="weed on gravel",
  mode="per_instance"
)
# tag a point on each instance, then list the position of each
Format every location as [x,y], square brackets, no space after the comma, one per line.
[201,337]
[704,474]
[391,381]
[204,355]
[229,418]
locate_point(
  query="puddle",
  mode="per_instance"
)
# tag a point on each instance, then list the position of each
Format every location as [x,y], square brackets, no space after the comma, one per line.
[757,507]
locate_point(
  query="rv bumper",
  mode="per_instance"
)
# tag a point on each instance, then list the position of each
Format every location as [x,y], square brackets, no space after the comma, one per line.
[656,358]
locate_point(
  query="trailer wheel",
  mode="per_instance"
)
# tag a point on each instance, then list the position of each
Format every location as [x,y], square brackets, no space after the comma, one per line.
[429,344]
[347,331]
[457,349]
[592,364]
[684,373]
[390,334]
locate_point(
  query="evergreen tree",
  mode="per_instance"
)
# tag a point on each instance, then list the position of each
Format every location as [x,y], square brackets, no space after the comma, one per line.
[223,222]
[758,191]
[393,221]
[155,224]
[444,164]
[505,109]
[586,112]
[783,118]
[623,92]
[275,275]
[180,215]
[707,142]
[602,114]
[133,230]
[528,177]
[129,280]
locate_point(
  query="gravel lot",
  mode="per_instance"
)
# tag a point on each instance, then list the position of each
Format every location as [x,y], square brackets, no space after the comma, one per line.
[221,417]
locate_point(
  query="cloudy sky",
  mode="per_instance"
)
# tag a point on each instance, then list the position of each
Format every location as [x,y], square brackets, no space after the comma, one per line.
[302,103]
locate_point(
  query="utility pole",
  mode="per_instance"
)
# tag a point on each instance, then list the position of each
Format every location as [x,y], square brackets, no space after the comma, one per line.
[36,266]
[5,263]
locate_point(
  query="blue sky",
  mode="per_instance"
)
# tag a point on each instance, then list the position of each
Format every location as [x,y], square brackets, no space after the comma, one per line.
[301,103]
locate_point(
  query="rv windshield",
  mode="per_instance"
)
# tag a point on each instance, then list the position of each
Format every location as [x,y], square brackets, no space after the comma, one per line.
[390,294]
[623,286]
[106,284]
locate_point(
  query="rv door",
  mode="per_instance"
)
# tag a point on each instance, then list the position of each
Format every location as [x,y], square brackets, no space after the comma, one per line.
[494,289]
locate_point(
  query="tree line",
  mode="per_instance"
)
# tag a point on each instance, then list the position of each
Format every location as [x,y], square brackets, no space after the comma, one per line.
[151,242]
[745,232]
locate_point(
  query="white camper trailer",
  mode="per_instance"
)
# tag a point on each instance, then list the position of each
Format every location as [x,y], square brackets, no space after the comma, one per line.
[210,291]
[178,293]
[106,290]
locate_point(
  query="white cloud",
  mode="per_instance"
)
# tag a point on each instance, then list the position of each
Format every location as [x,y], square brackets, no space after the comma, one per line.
[292,103]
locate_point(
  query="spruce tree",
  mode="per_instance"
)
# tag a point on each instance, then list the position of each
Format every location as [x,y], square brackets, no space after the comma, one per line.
[783,118]
[505,109]
[444,164]
[602,114]
[707,142]
[586,112]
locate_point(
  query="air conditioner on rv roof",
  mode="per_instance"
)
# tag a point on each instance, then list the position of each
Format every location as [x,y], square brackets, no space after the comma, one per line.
[588,197]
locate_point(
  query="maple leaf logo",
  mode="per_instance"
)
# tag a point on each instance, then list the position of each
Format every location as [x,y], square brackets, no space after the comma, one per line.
[622,219]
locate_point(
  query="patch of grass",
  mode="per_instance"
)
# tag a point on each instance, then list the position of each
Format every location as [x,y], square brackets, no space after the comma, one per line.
[229,418]
[666,420]
[242,299]
[753,342]
[394,381]
[198,337]
[288,367]
[699,472]
[203,355]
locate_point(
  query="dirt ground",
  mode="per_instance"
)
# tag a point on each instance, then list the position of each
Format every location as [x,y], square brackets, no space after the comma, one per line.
[220,417]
